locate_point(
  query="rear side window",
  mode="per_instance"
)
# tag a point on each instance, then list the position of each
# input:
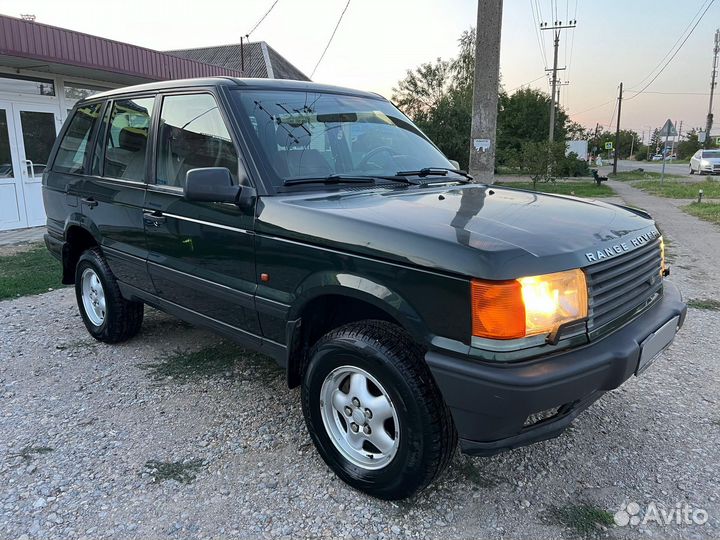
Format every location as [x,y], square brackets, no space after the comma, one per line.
[127,138]
[192,135]
[74,145]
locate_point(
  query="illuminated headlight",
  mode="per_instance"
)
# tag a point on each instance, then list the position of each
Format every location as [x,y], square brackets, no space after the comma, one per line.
[663,266]
[528,306]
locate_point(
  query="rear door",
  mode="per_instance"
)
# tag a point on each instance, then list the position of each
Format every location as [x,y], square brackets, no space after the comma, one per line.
[201,255]
[112,196]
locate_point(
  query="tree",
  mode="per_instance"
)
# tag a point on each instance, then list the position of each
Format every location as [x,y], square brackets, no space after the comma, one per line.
[629,141]
[539,159]
[686,148]
[524,117]
[656,142]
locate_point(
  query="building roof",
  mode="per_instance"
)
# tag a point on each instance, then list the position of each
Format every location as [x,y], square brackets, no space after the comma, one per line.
[259,58]
[255,84]
[59,50]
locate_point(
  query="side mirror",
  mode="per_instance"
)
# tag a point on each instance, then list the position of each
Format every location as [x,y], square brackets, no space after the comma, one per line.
[454,164]
[210,184]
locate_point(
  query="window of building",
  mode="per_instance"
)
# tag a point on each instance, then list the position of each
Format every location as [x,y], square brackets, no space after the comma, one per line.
[192,134]
[26,85]
[127,136]
[74,145]
[79,91]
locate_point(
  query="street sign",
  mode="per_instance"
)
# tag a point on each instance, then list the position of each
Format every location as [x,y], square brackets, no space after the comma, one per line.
[701,137]
[668,130]
[608,146]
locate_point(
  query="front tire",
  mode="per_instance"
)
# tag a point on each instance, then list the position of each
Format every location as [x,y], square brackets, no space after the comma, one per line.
[374,412]
[106,314]
[692,171]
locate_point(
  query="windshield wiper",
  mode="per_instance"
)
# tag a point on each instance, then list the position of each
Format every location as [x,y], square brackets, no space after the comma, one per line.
[331,179]
[433,171]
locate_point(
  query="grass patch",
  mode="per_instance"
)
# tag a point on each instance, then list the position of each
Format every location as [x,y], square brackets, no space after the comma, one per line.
[28,272]
[223,360]
[705,211]
[627,176]
[28,452]
[676,189]
[703,303]
[578,189]
[584,519]
[180,471]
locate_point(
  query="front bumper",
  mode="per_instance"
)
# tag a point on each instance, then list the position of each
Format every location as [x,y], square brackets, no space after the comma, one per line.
[491,402]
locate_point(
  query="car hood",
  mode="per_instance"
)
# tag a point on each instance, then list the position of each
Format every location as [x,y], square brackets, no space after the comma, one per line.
[472,230]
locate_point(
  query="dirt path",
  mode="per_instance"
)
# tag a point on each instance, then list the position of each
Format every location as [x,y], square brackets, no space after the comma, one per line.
[693,245]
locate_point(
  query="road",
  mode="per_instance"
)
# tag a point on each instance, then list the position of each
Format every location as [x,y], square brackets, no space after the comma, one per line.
[679,169]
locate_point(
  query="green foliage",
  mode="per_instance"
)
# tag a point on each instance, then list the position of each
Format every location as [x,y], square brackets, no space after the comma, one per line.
[706,211]
[584,519]
[626,142]
[687,147]
[704,303]
[28,272]
[678,189]
[571,166]
[524,117]
[438,97]
[577,189]
[539,160]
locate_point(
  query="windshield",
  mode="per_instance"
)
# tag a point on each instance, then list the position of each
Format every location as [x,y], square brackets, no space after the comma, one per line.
[316,135]
[711,154]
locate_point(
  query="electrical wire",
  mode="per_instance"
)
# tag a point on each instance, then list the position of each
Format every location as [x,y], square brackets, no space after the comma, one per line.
[673,46]
[331,38]
[674,54]
[527,83]
[262,18]
[536,25]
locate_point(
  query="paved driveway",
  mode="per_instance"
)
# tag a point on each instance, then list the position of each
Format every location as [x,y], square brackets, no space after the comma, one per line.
[172,435]
[678,169]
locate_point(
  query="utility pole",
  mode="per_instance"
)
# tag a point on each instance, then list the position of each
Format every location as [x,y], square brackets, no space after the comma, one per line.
[556,27]
[617,131]
[486,90]
[708,125]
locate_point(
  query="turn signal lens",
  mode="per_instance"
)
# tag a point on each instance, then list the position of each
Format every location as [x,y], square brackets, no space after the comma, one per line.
[497,309]
[527,306]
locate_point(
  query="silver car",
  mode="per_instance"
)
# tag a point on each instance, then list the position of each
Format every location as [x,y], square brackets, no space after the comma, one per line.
[705,161]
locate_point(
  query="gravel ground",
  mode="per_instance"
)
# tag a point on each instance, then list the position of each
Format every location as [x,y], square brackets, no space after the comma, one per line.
[145,440]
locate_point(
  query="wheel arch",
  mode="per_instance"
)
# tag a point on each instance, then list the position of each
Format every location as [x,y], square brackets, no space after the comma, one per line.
[80,234]
[330,300]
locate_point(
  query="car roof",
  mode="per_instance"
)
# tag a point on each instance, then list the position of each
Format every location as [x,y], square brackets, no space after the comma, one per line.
[234,82]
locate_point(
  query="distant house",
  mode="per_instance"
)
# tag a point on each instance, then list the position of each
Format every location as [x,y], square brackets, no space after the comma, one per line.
[256,59]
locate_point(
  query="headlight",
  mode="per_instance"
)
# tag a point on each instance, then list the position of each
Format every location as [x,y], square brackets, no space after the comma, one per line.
[704,163]
[527,306]
[663,267]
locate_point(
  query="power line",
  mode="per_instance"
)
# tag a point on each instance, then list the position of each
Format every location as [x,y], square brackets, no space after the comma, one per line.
[331,38]
[674,45]
[674,54]
[262,18]
[528,83]
[536,25]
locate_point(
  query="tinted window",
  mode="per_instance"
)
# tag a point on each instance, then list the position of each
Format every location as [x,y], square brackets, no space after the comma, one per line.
[711,154]
[127,136]
[192,135]
[97,161]
[316,134]
[74,145]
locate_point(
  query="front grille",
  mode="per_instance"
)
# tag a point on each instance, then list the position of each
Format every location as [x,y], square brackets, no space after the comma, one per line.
[622,285]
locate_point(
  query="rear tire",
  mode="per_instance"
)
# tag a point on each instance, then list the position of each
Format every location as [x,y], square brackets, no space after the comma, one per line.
[374,411]
[106,314]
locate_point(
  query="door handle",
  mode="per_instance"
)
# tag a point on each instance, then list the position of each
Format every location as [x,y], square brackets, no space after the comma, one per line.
[32,169]
[153,218]
[90,202]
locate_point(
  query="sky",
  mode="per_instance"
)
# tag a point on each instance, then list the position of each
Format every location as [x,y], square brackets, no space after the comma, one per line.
[378,40]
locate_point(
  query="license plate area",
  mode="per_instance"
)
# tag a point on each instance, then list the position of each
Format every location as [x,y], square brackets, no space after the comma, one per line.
[656,343]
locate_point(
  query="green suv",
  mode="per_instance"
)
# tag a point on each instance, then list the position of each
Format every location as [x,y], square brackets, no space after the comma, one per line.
[319,226]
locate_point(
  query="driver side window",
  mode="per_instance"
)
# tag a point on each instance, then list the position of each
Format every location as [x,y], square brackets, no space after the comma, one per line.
[192,135]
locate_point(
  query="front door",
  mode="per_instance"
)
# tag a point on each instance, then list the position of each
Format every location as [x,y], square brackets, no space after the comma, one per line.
[200,255]
[12,199]
[36,127]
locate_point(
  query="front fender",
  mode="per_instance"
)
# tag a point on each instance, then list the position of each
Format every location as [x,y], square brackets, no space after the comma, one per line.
[361,288]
